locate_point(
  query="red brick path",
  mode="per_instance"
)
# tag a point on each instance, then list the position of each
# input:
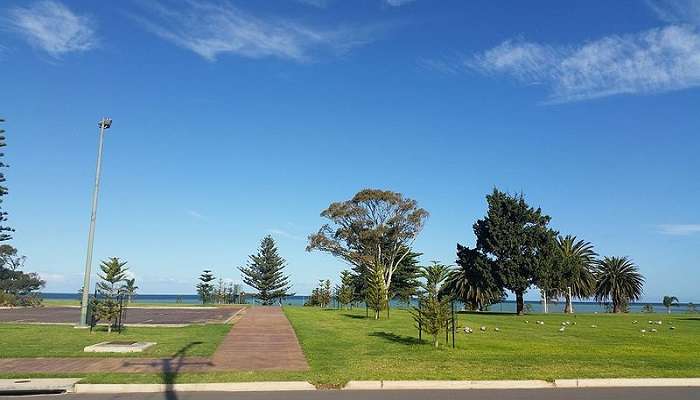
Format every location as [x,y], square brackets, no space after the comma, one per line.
[262,340]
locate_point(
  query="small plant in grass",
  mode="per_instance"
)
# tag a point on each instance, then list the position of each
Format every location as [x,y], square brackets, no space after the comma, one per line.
[109,289]
[433,312]
[648,308]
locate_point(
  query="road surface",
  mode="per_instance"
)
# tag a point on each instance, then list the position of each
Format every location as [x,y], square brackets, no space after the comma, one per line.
[523,394]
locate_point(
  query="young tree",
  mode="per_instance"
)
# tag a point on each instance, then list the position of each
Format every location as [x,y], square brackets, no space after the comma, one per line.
[434,311]
[265,273]
[205,289]
[578,261]
[474,281]
[670,301]
[377,294]
[618,280]
[113,275]
[130,289]
[4,235]
[404,282]
[372,231]
[516,238]
[345,291]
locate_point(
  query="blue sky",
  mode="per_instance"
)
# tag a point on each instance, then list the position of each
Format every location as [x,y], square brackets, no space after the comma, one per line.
[237,119]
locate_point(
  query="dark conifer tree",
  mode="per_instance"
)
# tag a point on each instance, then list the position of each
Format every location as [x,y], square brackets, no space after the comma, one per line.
[205,289]
[265,273]
[3,191]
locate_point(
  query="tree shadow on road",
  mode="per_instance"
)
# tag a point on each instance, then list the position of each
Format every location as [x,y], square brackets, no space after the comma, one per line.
[170,368]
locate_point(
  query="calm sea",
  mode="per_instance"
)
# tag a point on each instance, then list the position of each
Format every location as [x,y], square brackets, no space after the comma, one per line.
[506,306]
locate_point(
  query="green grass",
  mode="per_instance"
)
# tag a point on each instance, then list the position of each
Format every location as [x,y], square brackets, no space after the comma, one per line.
[343,345]
[27,340]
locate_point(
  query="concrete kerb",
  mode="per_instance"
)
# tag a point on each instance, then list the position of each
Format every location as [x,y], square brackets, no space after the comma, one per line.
[31,386]
[195,387]
[627,382]
[522,384]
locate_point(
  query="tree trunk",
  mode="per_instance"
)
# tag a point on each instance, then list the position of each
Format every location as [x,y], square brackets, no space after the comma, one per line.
[669,309]
[519,302]
[436,343]
[569,307]
[616,307]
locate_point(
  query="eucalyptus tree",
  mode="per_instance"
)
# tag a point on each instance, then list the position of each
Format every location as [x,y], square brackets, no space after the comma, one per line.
[578,263]
[670,301]
[518,241]
[473,280]
[374,231]
[618,282]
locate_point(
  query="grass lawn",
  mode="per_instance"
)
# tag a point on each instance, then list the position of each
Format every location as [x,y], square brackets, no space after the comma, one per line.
[26,340]
[343,345]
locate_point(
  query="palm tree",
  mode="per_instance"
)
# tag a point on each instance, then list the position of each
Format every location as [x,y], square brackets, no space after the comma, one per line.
[618,280]
[130,289]
[670,301]
[472,280]
[578,266]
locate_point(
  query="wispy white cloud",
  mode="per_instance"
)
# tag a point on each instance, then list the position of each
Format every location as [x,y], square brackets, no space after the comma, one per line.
[679,229]
[398,3]
[284,233]
[211,28]
[676,11]
[315,3]
[656,60]
[53,27]
[195,214]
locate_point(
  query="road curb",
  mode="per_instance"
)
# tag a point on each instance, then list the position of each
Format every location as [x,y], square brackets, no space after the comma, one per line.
[36,386]
[523,384]
[627,382]
[446,385]
[194,387]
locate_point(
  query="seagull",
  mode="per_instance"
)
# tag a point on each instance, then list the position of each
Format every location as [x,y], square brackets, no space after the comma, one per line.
[594,326]
[653,329]
[483,329]
[643,331]
[673,327]
[635,322]
[562,329]
[496,329]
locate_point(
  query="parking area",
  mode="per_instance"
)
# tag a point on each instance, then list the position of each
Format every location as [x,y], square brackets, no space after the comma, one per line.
[134,315]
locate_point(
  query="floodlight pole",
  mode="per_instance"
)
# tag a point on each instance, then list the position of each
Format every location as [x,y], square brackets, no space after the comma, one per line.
[104,123]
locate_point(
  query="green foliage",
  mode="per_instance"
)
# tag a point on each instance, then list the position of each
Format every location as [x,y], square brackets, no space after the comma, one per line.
[516,238]
[320,296]
[618,282]
[17,288]
[345,291]
[577,260]
[473,281]
[648,308]
[112,275]
[205,289]
[130,289]
[374,227]
[4,235]
[377,293]
[670,301]
[433,311]
[404,281]
[692,308]
[265,273]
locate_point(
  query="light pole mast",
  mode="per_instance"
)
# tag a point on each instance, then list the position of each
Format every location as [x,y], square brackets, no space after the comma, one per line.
[104,123]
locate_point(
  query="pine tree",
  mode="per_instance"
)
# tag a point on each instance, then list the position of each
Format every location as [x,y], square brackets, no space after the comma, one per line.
[265,273]
[376,295]
[205,289]
[110,287]
[345,291]
[3,191]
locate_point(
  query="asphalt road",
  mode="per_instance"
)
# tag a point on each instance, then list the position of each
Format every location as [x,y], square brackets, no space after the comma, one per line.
[523,394]
[133,315]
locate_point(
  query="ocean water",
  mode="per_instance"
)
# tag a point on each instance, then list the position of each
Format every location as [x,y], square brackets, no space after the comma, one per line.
[583,307]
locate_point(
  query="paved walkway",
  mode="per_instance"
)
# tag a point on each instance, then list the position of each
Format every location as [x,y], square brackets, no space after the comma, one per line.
[262,340]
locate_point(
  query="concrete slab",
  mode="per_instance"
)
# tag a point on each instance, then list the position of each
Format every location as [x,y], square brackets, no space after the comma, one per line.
[27,386]
[627,382]
[118,347]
